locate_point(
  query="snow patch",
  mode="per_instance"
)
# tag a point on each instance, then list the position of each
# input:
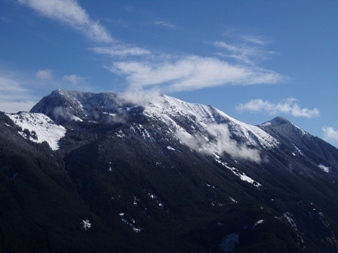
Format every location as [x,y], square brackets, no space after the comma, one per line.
[135,201]
[131,223]
[301,130]
[75,118]
[324,168]
[288,217]
[266,124]
[170,148]
[86,224]
[211,186]
[40,128]
[141,131]
[120,134]
[240,174]
[258,222]
[298,150]
[233,200]
[159,202]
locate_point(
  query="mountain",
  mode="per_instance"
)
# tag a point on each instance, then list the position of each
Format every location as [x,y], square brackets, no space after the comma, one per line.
[106,172]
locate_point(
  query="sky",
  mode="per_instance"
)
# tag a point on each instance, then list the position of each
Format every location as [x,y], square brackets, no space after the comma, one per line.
[254,60]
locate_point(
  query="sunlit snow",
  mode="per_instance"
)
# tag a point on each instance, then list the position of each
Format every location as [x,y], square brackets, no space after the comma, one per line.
[258,222]
[240,174]
[41,128]
[210,130]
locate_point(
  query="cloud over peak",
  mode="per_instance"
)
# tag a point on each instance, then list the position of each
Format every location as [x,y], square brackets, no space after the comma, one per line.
[44,74]
[287,106]
[74,79]
[191,73]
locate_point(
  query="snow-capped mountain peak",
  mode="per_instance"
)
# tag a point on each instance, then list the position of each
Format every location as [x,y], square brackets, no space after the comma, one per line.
[280,122]
[200,127]
[210,130]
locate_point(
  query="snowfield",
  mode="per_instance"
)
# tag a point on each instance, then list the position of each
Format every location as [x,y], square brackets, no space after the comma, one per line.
[40,128]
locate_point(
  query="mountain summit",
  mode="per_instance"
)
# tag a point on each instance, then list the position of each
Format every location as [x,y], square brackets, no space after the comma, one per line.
[103,172]
[200,127]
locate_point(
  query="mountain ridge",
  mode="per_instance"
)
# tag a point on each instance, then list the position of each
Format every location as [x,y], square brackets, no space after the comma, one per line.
[163,175]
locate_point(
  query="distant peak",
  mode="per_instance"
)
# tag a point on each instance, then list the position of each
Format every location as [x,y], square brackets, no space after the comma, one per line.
[58,92]
[279,121]
[284,123]
[61,92]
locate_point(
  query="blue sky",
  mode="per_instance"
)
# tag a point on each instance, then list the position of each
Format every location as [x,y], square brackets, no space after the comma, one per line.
[254,60]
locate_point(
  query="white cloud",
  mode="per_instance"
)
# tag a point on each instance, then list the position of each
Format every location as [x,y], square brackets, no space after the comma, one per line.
[74,79]
[44,74]
[254,39]
[13,97]
[288,106]
[191,73]
[225,143]
[121,50]
[72,14]
[16,106]
[245,48]
[9,85]
[164,24]
[170,73]
[248,53]
[330,133]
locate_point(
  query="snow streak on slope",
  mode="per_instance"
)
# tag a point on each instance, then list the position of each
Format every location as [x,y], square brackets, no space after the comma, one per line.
[39,128]
[239,173]
[206,129]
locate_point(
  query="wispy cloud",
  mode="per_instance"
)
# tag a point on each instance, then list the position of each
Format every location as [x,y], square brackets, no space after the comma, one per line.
[121,50]
[330,134]
[287,106]
[44,74]
[71,13]
[148,68]
[254,39]
[74,79]
[245,53]
[165,24]
[13,96]
[245,48]
[191,73]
